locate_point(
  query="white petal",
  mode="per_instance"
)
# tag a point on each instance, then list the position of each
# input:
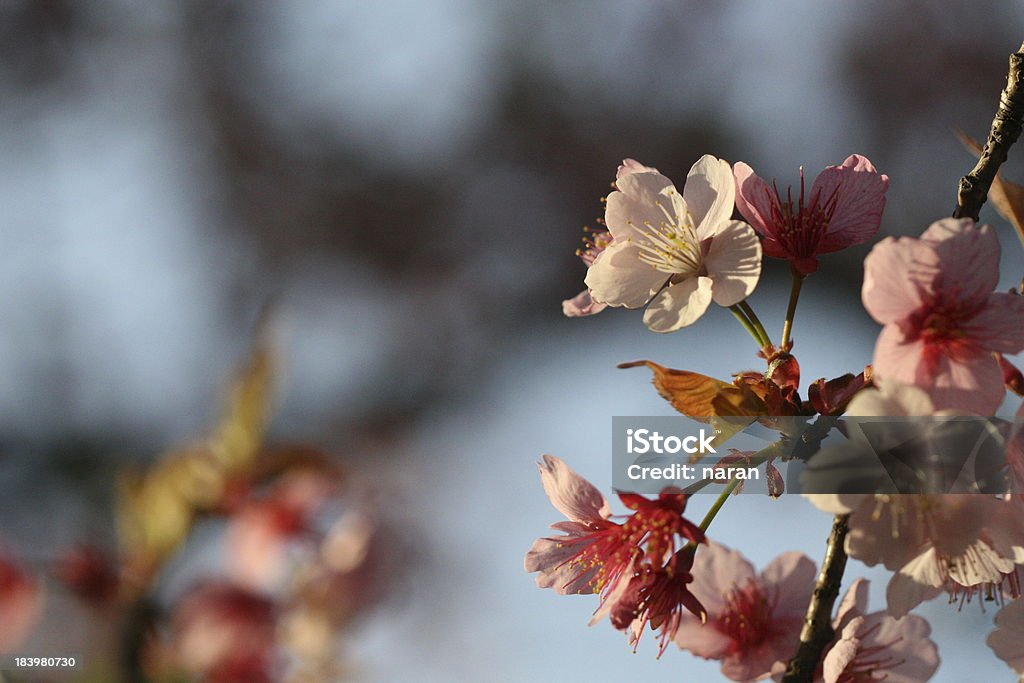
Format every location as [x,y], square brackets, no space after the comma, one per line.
[734,263]
[710,194]
[919,580]
[679,305]
[637,202]
[619,278]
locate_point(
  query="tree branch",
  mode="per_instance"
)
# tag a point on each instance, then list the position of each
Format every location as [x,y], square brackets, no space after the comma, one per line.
[1006,128]
[817,630]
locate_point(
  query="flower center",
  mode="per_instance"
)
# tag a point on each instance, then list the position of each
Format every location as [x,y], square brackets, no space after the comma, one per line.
[671,246]
[747,616]
[870,661]
[802,225]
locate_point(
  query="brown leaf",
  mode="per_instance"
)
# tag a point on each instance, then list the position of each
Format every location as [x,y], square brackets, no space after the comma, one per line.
[1007,198]
[699,396]
[776,484]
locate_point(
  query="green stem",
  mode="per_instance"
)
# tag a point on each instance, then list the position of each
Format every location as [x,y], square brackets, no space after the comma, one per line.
[719,502]
[746,308]
[794,297]
[747,325]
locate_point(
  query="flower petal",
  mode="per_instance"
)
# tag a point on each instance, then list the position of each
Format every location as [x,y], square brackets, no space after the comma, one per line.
[791,577]
[630,166]
[679,305]
[734,263]
[842,654]
[716,569]
[999,325]
[710,194]
[896,359]
[703,640]
[896,273]
[637,202]
[581,305]
[571,494]
[970,383]
[1007,641]
[891,399]
[919,580]
[549,557]
[853,604]
[968,259]
[755,199]
[619,278]
[859,192]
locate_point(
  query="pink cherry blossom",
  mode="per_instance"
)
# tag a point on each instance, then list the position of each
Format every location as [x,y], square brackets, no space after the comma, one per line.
[21,602]
[674,252]
[224,633]
[597,555]
[844,208]
[874,647]
[753,620]
[942,321]
[956,543]
[1007,640]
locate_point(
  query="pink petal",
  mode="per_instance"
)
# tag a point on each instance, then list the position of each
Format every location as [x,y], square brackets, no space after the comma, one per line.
[999,326]
[549,557]
[896,273]
[716,569]
[898,360]
[679,305]
[853,604]
[710,194]
[630,166]
[843,653]
[619,278]
[581,305]
[703,640]
[859,201]
[571,494]
[971,383]
[919,580]
[636,203]
[891,399]
[907,653]
[1007,641]
[968,259]
[755,199]
[791,577]
[733,263]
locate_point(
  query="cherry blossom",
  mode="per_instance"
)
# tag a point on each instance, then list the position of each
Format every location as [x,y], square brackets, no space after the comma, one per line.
[875,646]
[844,208]
[942,320]
[674,252]
[597,555]
[753,620]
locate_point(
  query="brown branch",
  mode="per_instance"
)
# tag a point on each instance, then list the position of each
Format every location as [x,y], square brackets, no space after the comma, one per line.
[817,630]
[1006,128]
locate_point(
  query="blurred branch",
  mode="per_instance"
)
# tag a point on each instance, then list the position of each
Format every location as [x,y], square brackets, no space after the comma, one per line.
[1006,128]
[817,630]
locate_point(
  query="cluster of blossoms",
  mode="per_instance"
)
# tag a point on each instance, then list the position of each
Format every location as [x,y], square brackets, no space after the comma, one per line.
[302,552]
[941,352]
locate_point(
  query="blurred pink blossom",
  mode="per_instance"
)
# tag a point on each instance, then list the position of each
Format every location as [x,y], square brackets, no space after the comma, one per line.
[942,321]
[675,253]
[753,620]
[21,603]
[225,633]
[844,208]
[1007,640]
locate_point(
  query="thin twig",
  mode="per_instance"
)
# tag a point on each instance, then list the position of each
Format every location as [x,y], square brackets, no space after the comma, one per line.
[1006,128]
[817,630]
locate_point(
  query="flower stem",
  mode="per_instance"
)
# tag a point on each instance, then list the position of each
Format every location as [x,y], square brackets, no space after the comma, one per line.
[746,308]
[794,297]
[817,631]
[737,311]
[719,502]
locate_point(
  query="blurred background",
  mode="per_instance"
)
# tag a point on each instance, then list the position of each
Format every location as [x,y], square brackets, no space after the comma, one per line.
[407,181]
